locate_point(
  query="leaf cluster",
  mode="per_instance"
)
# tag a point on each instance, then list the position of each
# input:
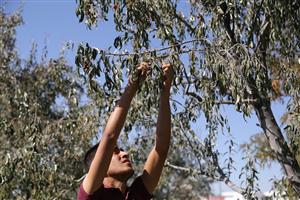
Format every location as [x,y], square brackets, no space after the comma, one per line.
[223,52]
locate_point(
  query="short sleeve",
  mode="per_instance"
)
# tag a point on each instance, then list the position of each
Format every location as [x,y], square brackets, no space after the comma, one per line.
[82,195]
[138,190]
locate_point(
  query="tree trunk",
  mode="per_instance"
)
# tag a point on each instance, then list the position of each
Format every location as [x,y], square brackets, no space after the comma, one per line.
[278,144]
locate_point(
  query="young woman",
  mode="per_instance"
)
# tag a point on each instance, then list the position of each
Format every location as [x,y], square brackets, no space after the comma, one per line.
[110,167]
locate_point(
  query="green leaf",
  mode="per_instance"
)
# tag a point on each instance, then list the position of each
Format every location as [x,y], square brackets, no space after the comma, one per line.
[118,42]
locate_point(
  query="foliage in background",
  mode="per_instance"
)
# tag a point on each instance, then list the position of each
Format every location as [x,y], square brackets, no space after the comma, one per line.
[290,120]
[48,120]
[258,142]
[43,130]
[223,53]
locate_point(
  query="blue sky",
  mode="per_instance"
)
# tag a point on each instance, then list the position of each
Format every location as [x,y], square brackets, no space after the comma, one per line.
[53,22]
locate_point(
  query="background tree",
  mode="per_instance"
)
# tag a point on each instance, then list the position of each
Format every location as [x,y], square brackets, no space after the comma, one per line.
[49,119]
[44,132]
[231,46]
[258,144]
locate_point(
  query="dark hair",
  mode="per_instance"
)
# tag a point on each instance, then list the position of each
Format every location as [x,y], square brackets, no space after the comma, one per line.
[89,156]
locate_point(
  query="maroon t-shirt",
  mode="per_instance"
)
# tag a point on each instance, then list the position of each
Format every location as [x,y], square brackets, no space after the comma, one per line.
[137,191]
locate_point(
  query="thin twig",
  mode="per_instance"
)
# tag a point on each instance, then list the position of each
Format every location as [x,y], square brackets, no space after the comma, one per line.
[224,179]
[253,25]
[157,50]
[80,179]
[228,102]
[185,169]
[179,103]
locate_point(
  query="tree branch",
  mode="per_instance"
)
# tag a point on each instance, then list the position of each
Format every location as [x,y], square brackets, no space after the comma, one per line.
[253,25]
[188,170]
[228,102]
[225,102]
[278,144]
[158,50]
[227,21]
[179,103]
[224,179]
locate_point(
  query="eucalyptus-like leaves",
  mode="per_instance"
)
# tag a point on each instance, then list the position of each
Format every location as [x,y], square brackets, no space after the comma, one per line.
[238,49]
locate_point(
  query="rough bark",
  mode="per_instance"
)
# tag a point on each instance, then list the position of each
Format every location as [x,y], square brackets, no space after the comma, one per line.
[278,144]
